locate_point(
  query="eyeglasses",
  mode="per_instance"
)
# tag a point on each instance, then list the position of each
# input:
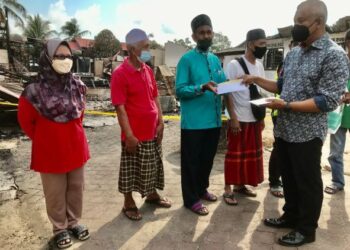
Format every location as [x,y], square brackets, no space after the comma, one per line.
[62,57]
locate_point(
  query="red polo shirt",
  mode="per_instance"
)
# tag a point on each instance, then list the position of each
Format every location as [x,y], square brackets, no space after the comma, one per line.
[56,147]
[136,89]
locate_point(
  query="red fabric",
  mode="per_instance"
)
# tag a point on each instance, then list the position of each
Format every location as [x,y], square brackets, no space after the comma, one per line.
[56,147]
[137,91]
[244,158]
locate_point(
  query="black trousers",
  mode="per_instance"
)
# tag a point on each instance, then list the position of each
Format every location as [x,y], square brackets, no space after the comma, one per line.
[302,183]
[274,168]
[198,149]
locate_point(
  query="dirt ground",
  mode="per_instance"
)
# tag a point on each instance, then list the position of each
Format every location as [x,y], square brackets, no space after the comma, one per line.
[24,224]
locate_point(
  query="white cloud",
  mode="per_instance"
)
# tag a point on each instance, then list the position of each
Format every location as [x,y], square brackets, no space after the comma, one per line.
[90,19]
[57,15]
[232,18]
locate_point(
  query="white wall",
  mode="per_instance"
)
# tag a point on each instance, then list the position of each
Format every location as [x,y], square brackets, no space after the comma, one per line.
[173,53]
[158,55]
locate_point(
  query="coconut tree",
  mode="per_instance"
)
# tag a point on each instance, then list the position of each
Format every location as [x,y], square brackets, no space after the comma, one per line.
[14,10]
[38,28]
[71,29]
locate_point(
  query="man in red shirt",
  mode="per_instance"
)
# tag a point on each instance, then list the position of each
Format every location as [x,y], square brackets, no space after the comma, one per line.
[135,96]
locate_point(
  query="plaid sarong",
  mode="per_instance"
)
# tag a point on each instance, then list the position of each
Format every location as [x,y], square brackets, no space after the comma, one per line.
[142,172]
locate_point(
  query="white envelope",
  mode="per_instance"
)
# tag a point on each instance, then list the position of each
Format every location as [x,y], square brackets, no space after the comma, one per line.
[230,86]
[262,101]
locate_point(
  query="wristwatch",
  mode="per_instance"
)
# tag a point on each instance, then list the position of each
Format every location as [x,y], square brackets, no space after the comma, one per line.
[287,107]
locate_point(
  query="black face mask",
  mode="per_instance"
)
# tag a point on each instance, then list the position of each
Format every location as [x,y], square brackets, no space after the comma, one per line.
[259,52]
[300,33]
[204,44]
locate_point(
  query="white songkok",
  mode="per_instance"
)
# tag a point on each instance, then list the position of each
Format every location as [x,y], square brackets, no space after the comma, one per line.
[135,36]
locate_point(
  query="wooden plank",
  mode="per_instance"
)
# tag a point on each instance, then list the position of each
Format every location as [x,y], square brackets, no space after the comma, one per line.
[8,95]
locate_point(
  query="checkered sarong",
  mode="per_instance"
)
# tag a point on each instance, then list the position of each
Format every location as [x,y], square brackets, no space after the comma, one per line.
[142,172]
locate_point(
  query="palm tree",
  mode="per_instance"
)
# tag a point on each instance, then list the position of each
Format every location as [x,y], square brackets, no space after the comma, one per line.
[14,10]
[38,28]
[72,29]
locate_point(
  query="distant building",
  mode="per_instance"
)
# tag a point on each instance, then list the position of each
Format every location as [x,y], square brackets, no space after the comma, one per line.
[78,45]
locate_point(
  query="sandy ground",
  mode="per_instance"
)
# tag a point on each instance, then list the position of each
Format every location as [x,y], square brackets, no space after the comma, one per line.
[24,224]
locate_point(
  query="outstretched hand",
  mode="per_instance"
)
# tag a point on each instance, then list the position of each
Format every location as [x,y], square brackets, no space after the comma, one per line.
[210,86]
[276,104]
[248,79]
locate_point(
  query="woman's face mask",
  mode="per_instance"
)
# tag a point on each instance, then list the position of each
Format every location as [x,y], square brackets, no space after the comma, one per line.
[62,66]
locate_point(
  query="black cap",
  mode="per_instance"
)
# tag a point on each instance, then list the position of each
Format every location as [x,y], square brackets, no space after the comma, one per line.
[255,34]
[200,20]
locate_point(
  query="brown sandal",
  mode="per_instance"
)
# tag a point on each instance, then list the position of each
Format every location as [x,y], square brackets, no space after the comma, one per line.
[277,191]
[160,202]
[136,217]
[245,191]
[230,199]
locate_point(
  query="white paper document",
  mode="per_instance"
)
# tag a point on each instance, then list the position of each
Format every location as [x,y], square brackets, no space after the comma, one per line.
[262,101]
[231,86]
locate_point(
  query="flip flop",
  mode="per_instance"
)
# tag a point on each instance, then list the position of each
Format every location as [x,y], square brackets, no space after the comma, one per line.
[200,209]
[245,191]
[231,197]
[332,189]
[132,217]
[277,191]
[209,197]
[160,202]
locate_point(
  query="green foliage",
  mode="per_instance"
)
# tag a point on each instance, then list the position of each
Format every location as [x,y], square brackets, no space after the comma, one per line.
[106,44]
[71,29]
[15,10]
[38,28]
[220,42]
[342,25]
[184,42]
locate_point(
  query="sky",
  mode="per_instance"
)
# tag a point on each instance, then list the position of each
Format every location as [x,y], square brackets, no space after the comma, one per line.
[169,19]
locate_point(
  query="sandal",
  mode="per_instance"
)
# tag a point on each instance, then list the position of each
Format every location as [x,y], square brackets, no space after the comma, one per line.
[80,232]
[332,189]
[63,240]
[209,197]
[277,191]
[244,190]
[159,202]
[200,209]
[230,199]
[135,217]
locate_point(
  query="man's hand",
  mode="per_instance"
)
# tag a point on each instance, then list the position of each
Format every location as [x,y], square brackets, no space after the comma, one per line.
[234,126]
[131,143]
[276,104]
[346,98]
[210,86]
[248,79]
[159,131]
